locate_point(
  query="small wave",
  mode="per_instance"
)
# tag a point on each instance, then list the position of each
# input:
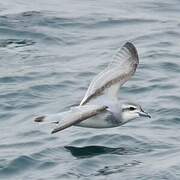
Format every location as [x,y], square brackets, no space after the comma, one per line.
[33,133]
[170,66]
[20,145]
[12,79]
[47,165]
[123,21]
[151,38]
[107,170]
[47,87]
[18,165]
[15,43]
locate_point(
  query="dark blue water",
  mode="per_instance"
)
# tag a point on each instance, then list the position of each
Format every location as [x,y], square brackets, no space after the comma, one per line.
[49,52]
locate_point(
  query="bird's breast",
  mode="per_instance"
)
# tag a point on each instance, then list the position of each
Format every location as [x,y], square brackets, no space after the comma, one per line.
[103,120]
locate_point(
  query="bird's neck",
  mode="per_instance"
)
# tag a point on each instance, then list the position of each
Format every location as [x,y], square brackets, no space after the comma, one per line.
[126,117]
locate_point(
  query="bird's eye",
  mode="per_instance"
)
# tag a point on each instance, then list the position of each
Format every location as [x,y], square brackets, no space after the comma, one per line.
[132,108]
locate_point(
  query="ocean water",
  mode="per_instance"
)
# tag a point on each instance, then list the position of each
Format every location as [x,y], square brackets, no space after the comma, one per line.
[50,51]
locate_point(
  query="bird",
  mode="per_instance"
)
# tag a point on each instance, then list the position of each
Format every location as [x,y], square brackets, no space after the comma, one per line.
[101,107]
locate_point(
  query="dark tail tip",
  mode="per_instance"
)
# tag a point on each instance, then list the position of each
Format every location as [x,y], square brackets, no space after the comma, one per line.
[54,131]
[39,119]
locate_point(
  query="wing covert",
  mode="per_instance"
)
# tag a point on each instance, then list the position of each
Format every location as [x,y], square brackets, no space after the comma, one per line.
[119,71]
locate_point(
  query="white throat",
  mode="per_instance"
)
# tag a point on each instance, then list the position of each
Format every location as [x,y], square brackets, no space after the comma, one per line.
[127,116]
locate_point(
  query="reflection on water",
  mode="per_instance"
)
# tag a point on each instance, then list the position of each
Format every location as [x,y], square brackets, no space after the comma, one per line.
[90,151]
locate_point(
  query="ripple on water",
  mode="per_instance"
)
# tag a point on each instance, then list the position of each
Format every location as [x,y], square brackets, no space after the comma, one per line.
[15,79]
[107,170]
[18,165]
[170,66]
[51,51]
[14,43]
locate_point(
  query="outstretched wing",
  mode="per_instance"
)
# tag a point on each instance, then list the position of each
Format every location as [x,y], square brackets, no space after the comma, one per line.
[72,117]
[115,75]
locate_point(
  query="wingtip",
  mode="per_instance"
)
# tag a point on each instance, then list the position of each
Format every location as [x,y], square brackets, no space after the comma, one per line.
[132,49]
[129,45]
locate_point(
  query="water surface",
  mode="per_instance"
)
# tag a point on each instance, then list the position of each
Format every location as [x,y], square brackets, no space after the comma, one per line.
[49,52]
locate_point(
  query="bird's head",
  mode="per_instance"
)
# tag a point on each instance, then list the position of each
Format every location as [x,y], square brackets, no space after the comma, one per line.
[131,111]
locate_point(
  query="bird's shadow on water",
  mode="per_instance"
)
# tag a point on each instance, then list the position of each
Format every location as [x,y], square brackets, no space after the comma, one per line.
[90,151]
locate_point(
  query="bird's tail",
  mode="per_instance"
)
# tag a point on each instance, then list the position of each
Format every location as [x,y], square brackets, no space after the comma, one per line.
[69,118]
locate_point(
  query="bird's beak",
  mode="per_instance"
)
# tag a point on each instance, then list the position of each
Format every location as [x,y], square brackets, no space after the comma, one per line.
[144,114]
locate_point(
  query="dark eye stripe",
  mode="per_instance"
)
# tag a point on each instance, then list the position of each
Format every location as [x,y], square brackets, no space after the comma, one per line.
[129,109]
[132,108]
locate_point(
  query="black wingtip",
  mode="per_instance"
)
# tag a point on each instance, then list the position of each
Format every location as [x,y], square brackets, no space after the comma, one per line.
[131,47]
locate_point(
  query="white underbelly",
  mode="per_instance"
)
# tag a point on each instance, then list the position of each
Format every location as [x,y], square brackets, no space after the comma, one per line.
[102,120]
